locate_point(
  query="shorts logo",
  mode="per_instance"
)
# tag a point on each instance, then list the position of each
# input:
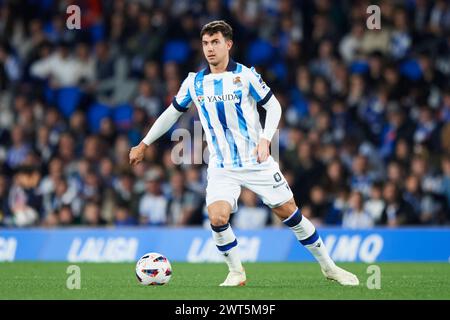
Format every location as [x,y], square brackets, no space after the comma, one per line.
[279,185]
[277,177]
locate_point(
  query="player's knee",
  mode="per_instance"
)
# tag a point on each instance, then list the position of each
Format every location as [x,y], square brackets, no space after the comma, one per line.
[218,220]
[219,217]
[219,213]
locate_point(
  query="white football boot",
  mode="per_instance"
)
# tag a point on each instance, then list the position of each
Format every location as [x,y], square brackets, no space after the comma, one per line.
[235,279]
[342,276]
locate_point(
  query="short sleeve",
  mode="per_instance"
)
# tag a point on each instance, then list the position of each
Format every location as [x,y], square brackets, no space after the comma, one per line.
[258,89]
[182,101]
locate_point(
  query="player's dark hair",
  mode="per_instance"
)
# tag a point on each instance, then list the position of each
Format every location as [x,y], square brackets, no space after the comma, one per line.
[217,26]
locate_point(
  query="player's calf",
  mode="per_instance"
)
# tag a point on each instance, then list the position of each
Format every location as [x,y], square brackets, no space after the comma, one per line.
[226,242]
[307,235]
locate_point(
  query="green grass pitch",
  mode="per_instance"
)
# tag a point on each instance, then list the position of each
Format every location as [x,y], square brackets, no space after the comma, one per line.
[273,281]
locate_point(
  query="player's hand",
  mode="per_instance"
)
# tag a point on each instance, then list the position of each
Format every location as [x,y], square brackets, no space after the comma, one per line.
[137,153]
[262,150]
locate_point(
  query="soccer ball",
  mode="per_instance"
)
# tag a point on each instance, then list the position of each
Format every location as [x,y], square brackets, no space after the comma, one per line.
[153,269]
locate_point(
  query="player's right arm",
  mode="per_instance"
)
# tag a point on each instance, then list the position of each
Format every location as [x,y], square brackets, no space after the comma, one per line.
[165,121]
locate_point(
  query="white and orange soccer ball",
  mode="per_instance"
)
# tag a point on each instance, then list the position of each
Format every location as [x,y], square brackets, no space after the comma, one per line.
[153,269]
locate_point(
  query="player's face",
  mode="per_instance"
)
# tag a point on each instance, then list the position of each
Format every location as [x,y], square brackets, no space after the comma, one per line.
[215,48]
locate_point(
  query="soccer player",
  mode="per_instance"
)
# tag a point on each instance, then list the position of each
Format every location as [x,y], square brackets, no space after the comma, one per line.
[226,95]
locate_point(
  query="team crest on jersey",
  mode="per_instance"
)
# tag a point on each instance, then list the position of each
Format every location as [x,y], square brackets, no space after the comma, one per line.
[237,81]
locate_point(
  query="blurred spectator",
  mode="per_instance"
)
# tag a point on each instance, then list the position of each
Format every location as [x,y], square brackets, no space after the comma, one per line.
[148,100]
[424,204]
[5,212]
[63,195]
[402,153]
[153,205]
[86,63]
[183,203]
[319,204]
[123,217]
[60,68]
[361,178]
[55,173]
[24,201]
[65,216]
[91,215]
[42,144]
[9,68]
[350,45]
[19,149]
[446,179]
[375,204]
[338,207]
[356,216]
[335,180]
[91,189]
[397,211]
[78,128]
[420,167]
[426,130]
[112,85]
[395,173]
[400,37]
[194,180]
[250,214]
[124,192]
[307,171]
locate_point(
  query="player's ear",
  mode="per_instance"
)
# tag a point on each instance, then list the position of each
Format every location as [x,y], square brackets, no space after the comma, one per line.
[229,44]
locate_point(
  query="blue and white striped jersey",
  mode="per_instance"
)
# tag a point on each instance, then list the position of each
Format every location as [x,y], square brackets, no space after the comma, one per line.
[226,104]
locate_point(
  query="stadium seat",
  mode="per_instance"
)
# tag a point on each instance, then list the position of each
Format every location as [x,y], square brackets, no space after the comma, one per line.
[49,94]
[67,100]
[411,70]
[97,32]
[280,70]
[96,113]
[299,102]
[177,51]
[359,67]
[260,52]
[122,116]
[49,28]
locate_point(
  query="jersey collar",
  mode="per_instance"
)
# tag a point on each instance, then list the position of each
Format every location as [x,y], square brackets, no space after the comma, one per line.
[230,67]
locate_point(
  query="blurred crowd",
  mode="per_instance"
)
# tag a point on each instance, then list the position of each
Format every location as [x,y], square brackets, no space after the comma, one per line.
[364,137]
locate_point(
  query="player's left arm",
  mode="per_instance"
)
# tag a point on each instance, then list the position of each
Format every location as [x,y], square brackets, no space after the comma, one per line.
[264,97]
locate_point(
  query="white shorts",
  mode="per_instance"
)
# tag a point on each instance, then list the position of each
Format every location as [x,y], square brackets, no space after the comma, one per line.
[265,180]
